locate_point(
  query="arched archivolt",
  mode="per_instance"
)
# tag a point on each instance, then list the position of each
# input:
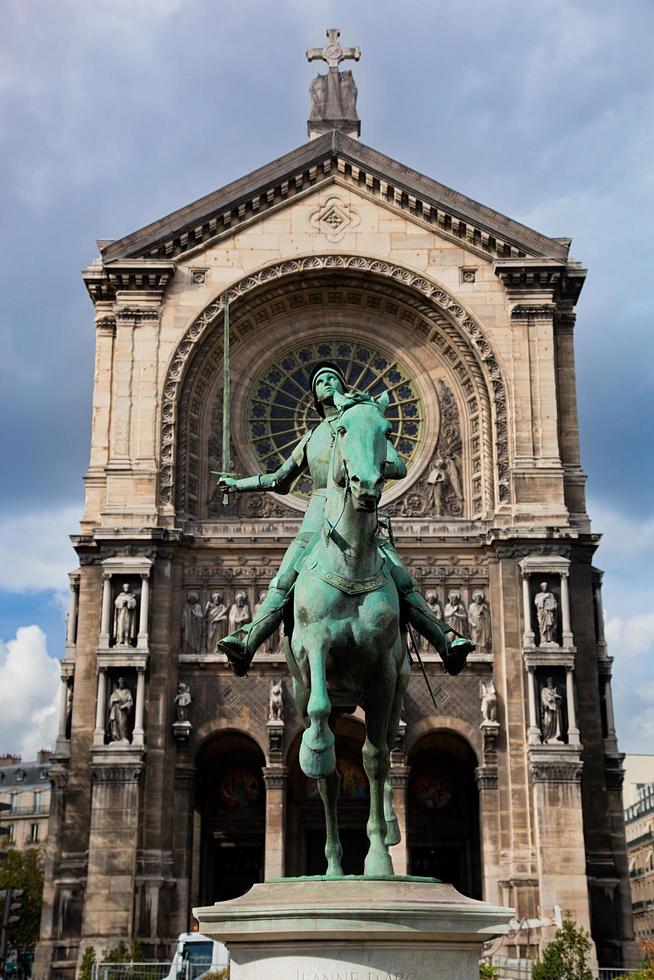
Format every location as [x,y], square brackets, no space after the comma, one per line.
[427,309]
[442,724]
[215,729]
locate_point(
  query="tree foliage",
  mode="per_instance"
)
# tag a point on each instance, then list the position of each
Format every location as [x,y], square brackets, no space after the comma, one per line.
[24,869]
[566,957]
[86,966]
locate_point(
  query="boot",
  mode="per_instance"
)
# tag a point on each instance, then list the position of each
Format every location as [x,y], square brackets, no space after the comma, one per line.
[241,646]
[453,652]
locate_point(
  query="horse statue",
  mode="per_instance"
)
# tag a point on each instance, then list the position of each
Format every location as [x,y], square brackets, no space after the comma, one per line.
[347,647]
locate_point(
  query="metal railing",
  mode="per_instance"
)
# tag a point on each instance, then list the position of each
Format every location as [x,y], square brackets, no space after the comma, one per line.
[153,970]
[614,973]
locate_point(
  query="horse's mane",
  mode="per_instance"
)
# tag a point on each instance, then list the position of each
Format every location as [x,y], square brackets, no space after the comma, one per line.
[352,398]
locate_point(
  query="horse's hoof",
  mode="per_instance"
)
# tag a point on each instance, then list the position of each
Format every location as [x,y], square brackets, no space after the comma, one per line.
[378,865]
[334,871]
[393,835]
[317,763]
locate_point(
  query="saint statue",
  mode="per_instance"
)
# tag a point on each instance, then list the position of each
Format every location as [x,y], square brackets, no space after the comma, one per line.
[239,614]
[479,619]
[192,624]
[455,613]
[313,454]
[547,609]
[276,702]
[120,705]
[551,703]
[444,480]
[182,701]
[216,619]
[125,617]
[488,697]
[271,643]
[432,600]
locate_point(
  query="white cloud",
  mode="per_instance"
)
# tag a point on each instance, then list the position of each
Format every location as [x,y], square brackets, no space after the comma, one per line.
[631,636]
[38,553]
[29,693]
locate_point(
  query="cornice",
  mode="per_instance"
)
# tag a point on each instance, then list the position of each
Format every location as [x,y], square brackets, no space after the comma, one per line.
[333,156]
[541,281]
[144,276]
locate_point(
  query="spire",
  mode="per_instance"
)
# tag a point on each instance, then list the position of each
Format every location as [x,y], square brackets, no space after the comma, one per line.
[334,95]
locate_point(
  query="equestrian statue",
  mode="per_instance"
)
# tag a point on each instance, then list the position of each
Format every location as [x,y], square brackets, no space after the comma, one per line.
[347,602]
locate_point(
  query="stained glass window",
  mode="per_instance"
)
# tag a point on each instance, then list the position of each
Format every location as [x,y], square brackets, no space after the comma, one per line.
[279,408]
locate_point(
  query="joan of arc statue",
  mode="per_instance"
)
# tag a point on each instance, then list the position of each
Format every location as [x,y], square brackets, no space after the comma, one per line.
[313,453]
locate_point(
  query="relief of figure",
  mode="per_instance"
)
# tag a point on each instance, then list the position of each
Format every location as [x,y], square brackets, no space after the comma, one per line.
[318,93]
[239,613]
[547,609]
[271,644]
[120,705]
[455,613]
[125,617]
[551,703]
[182,702]
[192,625]
[216,619]
[480,622]
[349,93]
[276,702]
[488,696]
[444,481]
[432,600]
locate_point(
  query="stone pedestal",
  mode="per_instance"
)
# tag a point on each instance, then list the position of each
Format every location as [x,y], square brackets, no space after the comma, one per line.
[353,928]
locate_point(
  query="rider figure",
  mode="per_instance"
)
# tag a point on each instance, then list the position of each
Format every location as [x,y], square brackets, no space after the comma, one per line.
[313,452]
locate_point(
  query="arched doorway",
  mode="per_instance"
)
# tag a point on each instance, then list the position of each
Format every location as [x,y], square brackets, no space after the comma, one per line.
[231,803]
[443,812]
[305,848]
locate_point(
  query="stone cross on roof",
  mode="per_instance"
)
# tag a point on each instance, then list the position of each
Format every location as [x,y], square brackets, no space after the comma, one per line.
[333,52]
[334,95]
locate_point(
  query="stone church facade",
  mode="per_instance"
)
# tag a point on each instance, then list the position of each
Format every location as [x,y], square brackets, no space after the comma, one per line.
[511,785]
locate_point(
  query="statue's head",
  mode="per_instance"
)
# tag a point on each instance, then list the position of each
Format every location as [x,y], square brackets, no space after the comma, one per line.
[122,683]
[216,598]
[361,447]
[478,596]
[432,598]
[240,598]
[125,586]
[543,586]
[193,597]
[326,380]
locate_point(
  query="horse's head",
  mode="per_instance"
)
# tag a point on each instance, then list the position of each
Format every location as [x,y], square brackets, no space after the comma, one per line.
[360,450]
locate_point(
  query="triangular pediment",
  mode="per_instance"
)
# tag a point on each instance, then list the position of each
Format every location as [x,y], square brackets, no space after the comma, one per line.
[333,157]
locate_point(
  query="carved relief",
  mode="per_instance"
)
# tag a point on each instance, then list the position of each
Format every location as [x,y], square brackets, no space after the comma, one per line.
[276,702]
[455,613]
[192,625]
[125,617]
[216,621]
[182,702]
[334,217]
[488,701]
[480,621]
[119,725]
[547,615]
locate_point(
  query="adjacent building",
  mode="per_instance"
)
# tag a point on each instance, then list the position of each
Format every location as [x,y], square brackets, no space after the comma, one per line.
[174,782]
[639,820]
[25,788]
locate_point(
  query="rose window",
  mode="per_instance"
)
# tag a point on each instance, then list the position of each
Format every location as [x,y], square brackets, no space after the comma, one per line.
[279,408]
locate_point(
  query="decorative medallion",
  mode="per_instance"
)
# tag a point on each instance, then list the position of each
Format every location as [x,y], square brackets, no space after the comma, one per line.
[239,789]
[334,218]
[280,409]
[432,790]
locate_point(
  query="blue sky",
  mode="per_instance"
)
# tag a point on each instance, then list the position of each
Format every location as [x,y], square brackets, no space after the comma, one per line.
[116,112]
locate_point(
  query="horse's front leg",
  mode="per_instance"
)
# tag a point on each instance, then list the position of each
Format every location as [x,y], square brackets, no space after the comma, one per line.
[376,762]
[393,835]
[329,789]
[317,755]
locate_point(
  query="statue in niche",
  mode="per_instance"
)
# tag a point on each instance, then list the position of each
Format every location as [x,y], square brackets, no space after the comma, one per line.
[271,644]
[488,698]
[480,622]
[276,702]
[182,702]
[547,614]
[455,613]
[551,704]
[216,619]
[125,617]
[239,613]
[120,705]
[349,94]
[192,624]
[432,600]
[444,482]
[69,707]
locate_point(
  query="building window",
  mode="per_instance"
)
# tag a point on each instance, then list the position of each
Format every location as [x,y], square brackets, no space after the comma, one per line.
[34,833]
[11,836]
[13,802]
[37,801]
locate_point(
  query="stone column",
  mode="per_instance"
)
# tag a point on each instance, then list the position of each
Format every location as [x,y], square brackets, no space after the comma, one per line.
[73,602]
[610,717]
[528,636]
[566,629]
[138,733]
[533,732]
[63,711]
[275,782]
[142,640]
[490,831]
[573,731]
[399,777]
[599,615]
[105,620]
[100,708]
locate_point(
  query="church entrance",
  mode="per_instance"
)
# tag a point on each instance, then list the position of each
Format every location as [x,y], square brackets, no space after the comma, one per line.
[305,846]
[231,803]
[443,812]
